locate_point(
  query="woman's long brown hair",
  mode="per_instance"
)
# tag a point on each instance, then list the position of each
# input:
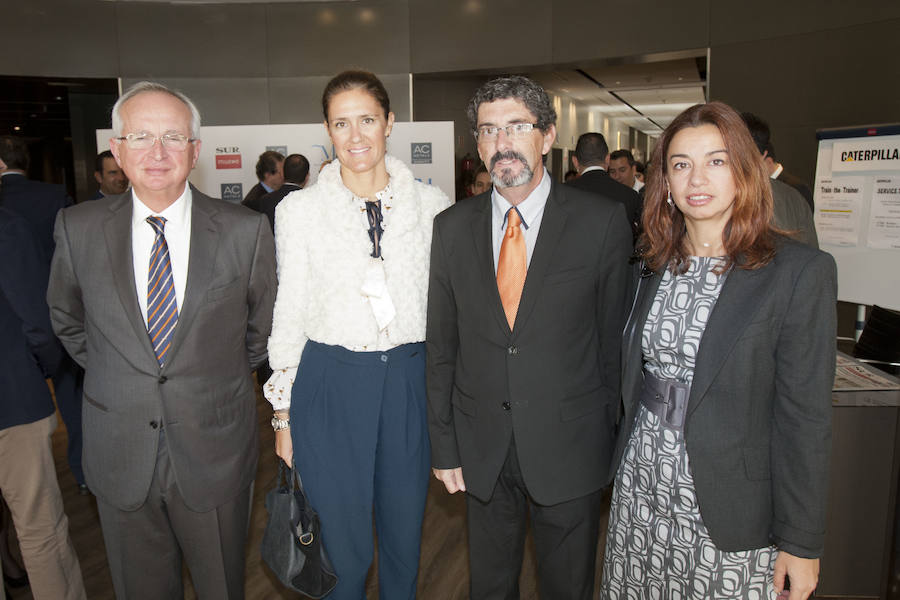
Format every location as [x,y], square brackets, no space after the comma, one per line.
[749,237]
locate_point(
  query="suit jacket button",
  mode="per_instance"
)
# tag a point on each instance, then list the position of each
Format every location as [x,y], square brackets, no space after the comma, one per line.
[154,424]
[162,379]
[506,406]
[512,350]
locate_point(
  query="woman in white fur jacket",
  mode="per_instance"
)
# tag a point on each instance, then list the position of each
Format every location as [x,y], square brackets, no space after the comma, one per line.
[347,343]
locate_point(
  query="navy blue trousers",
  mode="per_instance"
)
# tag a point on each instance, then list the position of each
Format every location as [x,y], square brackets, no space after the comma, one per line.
[67,386]
[359,430]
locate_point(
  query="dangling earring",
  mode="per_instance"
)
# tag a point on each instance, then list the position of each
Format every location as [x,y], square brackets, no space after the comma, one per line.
[669,197]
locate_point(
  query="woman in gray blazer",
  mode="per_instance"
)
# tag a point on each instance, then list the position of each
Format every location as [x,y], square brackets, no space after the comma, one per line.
[728,364]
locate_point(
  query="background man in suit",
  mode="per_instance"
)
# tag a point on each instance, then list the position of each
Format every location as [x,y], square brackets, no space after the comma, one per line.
[165,296]
[762,135]
[591,159]
[623,168]
[296,176]
[790,211]
[270,172]
[525,313]
[38,203]
[109,175]
[28,355]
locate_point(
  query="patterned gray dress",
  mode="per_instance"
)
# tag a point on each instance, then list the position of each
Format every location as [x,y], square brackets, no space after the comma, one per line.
[657,545]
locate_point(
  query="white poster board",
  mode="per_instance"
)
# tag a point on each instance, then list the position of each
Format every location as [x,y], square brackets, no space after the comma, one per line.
[227,165]
[857,199]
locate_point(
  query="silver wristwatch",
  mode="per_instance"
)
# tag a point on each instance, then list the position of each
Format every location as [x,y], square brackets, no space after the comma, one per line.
[279,424]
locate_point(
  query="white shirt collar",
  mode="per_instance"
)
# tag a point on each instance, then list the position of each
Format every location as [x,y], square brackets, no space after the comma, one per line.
[593,168]
[777,171]
[175,214]
[528,208]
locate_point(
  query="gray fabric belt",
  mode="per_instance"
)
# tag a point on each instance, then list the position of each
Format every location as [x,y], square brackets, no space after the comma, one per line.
[667,399]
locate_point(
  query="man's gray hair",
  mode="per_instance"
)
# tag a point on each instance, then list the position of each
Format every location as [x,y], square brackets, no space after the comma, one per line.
[520,88]
[152,86]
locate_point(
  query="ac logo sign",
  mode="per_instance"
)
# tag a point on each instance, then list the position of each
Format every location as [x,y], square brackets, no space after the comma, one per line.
[232,192]
[421,153]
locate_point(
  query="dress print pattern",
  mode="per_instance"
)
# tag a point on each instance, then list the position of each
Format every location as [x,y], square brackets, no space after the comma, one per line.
[657,546]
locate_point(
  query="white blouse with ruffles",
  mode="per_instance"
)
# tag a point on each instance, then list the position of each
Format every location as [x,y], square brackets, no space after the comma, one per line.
[330,289]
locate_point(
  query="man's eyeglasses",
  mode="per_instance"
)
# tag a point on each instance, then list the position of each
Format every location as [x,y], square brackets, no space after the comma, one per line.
[487,133]
[143,141]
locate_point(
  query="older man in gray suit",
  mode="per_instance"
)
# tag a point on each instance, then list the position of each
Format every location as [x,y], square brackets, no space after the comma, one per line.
[165,296]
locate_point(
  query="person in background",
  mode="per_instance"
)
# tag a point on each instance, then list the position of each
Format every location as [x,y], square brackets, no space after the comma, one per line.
[39,203]
[109,176]
[591,158]
[623,168]
[570,175]
[481,182]
[762,136]
[347,342]
[270,172]
[790,211]
[639,169]
[728,361]
[30,353]
[296,176]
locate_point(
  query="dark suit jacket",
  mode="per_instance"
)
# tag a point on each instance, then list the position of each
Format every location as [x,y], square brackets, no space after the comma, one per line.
[558,368]
[204,395]
[266,204]
[758,423]
[253,196]
[799,185]
[599,182]
[38,202]
[30,351]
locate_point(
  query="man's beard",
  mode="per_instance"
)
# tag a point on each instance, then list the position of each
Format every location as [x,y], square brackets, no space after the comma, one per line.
[506,179]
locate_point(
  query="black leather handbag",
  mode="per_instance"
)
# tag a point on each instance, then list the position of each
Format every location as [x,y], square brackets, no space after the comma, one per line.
[292,545]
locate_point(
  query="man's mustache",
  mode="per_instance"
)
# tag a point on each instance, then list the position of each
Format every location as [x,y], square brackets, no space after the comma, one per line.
[508,155]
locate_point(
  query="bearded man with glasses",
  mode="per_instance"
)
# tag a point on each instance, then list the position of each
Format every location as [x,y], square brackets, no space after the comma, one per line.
[526,304]
[165,297]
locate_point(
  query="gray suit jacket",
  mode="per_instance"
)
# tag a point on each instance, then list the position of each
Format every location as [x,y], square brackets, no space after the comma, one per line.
[792,214]
[204,395]
[758,425]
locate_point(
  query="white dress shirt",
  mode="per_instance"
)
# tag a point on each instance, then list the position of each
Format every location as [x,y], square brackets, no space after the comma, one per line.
[531,210]
[178,239]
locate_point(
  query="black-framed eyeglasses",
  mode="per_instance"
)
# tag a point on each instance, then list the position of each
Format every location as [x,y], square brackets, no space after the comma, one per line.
[143,141]
[487,133]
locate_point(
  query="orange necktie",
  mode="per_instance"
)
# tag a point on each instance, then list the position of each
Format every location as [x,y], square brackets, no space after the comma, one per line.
[511,267]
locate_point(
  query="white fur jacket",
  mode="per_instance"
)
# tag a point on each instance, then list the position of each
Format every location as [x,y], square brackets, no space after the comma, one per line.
[323,252]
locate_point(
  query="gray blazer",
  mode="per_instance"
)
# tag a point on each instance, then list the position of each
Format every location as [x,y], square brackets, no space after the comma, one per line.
[791,213]
[758,425]
[204,395]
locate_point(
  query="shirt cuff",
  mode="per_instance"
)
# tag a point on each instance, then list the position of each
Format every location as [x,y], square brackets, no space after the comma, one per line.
[277,389]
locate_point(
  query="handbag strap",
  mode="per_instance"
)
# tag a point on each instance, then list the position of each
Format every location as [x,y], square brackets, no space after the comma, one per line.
[305,536]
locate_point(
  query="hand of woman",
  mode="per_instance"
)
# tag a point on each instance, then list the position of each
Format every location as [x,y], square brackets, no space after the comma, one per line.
[803,572]
[284,447]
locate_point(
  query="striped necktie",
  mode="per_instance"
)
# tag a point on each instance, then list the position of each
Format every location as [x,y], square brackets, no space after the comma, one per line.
[162,308]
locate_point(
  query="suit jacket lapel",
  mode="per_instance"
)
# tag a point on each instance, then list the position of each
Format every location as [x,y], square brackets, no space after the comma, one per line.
[552,224]
[734,310]
[117,230]
[484,248]
[632,354]
[202,261]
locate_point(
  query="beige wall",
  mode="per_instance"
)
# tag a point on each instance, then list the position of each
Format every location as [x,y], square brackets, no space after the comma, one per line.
[802,64]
